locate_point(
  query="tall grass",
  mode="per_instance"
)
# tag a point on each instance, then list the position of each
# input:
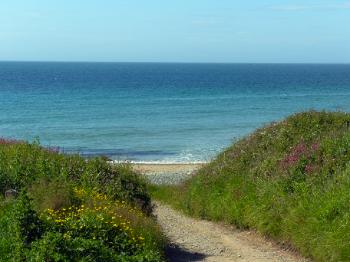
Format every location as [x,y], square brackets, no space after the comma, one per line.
[289,180]
[73,209]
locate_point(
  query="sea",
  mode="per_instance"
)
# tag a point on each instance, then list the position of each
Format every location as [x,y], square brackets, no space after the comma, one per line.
[158,112]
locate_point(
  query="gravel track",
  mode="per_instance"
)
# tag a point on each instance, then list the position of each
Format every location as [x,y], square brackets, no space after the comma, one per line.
[166,174]
[199,240]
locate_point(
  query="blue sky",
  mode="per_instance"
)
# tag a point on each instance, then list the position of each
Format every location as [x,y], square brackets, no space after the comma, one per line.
[175,31]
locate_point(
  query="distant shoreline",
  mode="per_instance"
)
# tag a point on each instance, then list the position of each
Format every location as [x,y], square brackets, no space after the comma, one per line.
[166,168]
[167,173]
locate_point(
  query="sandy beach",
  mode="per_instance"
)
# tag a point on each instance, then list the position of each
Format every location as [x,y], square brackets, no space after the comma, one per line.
[165,168]
[166,173]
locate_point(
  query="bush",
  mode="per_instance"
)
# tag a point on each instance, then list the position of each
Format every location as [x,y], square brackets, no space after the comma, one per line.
[119,181]
[22,164]
[102,231]
[73,209]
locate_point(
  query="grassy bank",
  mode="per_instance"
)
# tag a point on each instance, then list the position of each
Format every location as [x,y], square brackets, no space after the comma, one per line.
[66,208]
[289,180]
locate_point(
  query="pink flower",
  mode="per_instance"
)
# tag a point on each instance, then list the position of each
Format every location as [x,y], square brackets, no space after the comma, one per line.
[297,152]
[309,169]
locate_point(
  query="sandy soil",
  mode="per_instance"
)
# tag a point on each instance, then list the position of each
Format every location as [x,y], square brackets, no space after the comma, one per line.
[198,240]
[166,174]
[166,168]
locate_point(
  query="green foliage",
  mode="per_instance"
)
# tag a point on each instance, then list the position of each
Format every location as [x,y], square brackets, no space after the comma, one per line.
[22,164]
[55,247]
[101,232]
[11,244]
[53,193]
[290,180]
[73,209]
[119,181]
[19,227]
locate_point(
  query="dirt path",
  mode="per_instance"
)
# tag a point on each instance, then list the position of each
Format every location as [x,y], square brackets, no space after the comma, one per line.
[198,240]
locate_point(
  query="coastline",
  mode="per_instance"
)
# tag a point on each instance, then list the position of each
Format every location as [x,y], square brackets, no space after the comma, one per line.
[166,174]
[165,168]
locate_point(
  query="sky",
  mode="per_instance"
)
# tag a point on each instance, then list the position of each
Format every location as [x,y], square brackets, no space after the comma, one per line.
[228,31]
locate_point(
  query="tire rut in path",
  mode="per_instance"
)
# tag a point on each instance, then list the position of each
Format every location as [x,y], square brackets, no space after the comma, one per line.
[199,240]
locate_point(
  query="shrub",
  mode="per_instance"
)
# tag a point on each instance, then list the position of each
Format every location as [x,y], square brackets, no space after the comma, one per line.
[73,209]
[119,181]
[97,233]
[22,164]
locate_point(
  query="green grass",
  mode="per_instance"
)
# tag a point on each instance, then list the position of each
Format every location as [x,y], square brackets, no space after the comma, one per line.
[73,209]
[289,180]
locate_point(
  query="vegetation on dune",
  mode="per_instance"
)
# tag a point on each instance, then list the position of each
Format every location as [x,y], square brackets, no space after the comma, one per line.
[289,180]
[73,209]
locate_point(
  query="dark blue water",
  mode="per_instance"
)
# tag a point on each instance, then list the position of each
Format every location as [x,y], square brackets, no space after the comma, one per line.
[158,112]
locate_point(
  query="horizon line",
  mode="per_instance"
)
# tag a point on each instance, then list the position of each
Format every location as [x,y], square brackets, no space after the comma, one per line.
[169,62]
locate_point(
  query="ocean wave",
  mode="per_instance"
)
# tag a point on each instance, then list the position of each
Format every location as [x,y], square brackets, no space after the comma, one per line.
[146,157]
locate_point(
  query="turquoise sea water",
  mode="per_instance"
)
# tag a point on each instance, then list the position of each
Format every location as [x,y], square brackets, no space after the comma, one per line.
[158,112]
